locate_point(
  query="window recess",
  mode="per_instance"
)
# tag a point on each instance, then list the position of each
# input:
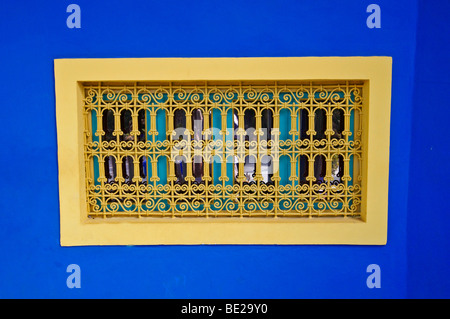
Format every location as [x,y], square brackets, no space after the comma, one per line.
[319,176]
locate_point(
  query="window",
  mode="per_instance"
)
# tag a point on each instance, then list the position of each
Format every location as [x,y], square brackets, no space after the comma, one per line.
[223,151]
[281,149]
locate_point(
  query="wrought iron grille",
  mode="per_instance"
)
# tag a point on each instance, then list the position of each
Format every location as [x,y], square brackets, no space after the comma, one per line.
[223,149]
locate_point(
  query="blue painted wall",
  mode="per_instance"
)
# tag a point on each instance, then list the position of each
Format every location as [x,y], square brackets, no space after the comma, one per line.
[34,33]
[428,211]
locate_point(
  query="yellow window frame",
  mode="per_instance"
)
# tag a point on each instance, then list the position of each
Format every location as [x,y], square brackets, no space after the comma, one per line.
[77,229]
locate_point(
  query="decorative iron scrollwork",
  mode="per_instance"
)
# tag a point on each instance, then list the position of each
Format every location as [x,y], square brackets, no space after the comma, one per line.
[231,149]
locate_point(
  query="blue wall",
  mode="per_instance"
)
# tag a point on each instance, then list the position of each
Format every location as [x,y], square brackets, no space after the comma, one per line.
[34,33]
[428,213]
